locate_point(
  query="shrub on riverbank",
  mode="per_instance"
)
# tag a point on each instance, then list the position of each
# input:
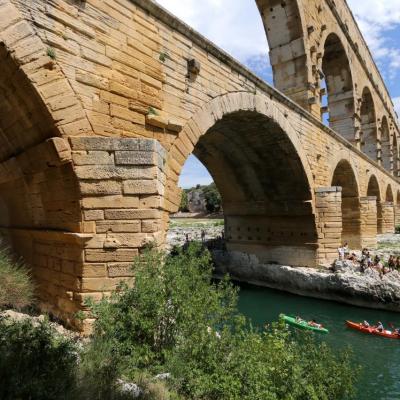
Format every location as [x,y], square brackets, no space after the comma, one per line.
[16,287]
[176,320]
[35,363]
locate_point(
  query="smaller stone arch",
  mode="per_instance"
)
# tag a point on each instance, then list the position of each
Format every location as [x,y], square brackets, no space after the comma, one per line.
[339,86]
[345,177]
[397,210]
[389,194]
[368,128]
[374,191]
[385,147]
[388,211]
[395,156]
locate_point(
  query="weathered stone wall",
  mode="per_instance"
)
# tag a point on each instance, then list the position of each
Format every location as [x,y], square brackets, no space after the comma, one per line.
[108,106]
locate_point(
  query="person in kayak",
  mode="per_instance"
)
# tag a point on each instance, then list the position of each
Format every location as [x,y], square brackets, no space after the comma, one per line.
[366,324]
[379,327]
[315,324]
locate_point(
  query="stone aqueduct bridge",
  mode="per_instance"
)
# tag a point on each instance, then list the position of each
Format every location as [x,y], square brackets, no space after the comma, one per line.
[101,103]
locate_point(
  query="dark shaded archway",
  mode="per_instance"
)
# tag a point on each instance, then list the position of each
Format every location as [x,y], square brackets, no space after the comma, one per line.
[344,177]
[385,151]
[373,190]
[389,194]
[339,83]
[369,128]
[266,196]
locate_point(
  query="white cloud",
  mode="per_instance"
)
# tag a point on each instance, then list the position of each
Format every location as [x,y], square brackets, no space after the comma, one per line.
[376,19]
[235,26]
[396,102]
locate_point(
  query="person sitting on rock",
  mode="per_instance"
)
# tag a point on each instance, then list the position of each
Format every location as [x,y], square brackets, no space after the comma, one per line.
[391,263]
[341,253]
[379,327]
[397,264]
[346,250]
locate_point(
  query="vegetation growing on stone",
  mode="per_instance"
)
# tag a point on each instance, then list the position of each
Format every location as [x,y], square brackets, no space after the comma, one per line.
[16,287]
[209,193]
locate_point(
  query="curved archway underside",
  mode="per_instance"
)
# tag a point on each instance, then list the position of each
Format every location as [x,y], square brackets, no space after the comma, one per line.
[265,193]
[344,177]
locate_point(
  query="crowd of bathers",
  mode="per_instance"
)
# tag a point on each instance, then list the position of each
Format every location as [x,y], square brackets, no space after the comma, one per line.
[369,261]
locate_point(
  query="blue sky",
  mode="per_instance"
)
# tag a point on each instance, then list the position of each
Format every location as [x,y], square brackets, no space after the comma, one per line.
[236,27]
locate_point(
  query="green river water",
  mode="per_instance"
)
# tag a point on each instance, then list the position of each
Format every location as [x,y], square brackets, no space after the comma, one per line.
[379,357]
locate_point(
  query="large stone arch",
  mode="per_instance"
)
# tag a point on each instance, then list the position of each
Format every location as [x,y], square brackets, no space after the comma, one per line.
[339,87]
[395,147]
[373,190]
[285,29]
[385,145]
[368,125]
[40,196]
[344,176]
[256,160]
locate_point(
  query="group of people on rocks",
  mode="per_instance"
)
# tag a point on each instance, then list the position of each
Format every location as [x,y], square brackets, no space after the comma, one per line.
[368,261]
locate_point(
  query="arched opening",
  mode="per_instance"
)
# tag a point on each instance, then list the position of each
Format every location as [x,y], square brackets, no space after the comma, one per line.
[389,194]
[373,190]
[344,177]
[339,83]
[369,129]
[385,151]
[397,210]
[266,196]
[395,156]
[285,34]
[39,200]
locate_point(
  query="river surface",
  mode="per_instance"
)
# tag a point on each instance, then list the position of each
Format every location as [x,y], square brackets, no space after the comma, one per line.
[378,357]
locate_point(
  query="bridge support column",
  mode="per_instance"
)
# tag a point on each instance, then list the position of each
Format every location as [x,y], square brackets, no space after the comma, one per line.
[328,209]
[397,215]
[121,182]
[387,217]
[369,227]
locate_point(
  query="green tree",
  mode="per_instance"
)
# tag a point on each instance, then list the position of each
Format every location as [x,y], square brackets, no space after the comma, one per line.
[177,319]
[213,197]
[184,206]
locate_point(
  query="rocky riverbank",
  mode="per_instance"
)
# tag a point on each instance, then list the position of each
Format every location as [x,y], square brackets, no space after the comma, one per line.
[347,284]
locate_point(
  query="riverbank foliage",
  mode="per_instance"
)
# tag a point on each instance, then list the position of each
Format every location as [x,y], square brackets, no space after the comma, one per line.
[179,336]
[16,287]
[176,320]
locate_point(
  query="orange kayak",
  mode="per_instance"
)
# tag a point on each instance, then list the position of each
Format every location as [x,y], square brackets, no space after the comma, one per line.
[372,330]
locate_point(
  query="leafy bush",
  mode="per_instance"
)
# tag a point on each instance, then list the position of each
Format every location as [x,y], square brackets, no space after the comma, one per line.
[184,202]
[176,319]
[16,288]
[397,229]
[35,363]
[213,198]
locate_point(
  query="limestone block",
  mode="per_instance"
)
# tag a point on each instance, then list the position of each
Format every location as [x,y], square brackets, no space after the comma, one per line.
[141,187]
[124,214]
[92,158]
[118,226]
[116,172]
[135,158]
[110,201]
[120,270]
[106,187]
[93,215]
[101,255]
[94,271]
[160,121]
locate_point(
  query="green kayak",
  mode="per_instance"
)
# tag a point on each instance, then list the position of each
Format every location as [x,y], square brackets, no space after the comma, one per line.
[302,324]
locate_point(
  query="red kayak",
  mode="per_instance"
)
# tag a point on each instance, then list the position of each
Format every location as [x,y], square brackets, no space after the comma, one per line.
[372,330]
